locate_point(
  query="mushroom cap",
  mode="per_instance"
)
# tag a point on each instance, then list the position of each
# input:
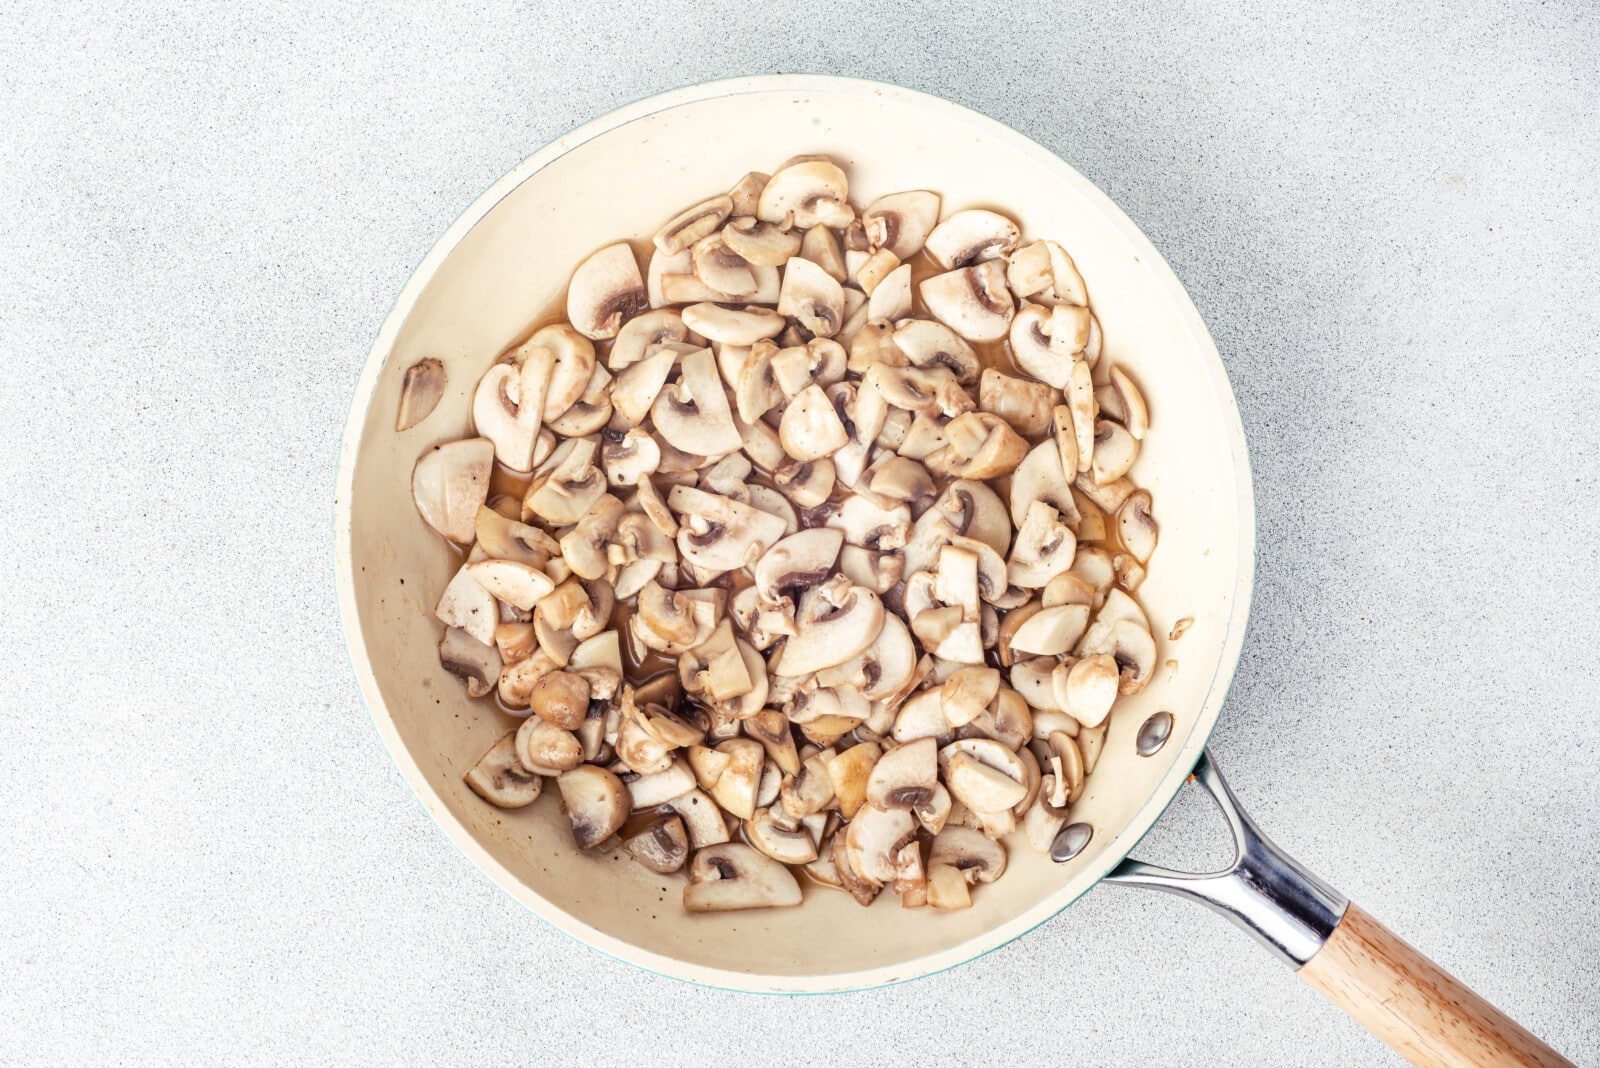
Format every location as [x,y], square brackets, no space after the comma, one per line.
[835,622]
[732,876]
[874,837]
[812,297]
[605,290]
[977,858]
[806,194]
[922,716]
[1088,688]
[721,268]
[967,692]
[563,493]
[499,779]
[970,237]
[514,583]
[450,483]
[1115,450]
[1051,631]
[901,222]
[629,458]
[694,416]
[546,748]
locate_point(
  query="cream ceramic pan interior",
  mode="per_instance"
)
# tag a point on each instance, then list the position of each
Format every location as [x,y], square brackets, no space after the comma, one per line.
[505,260]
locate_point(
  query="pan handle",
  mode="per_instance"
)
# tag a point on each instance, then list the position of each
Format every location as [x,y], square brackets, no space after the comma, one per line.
[1424,1013]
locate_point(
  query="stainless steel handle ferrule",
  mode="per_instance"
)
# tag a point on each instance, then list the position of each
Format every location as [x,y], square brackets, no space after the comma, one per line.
[1265,891]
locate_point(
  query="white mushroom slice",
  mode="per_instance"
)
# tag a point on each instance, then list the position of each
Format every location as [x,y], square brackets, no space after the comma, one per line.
[822,248]
[983,774]
[499,414]
[733,326]
[518,680]
[1039,478]
[1045,273]
[664,266]
[871,527]
[450,483]
[877,571]
[604,291]
[1080,402]
[771,728]
[649,791]
[668,621]
[727,877]
[821,361]
[921,717]
[947,888]
[419,394]
[591,411]
[930,344]
[596,802]
[718,533]
[891,298]
[475,663]
[514,583]
[585,546]
[977,858]
[810,427]
[701,818]
[973,301]
[573,368]
[1115,450]
[721,268]
[779,843]
[1087,689]
[807,194]
[1023,403]
[806,484]
[1044,818]
[905,776]
[835,622]
[1052,631]
[874,268]
[1130,645]
[746,194]
[980,446]
[873,345]
[499,779]
[1137,526]
[644,335]
[568,489]
[901,222]
[693,415]
[1037,349]
[692,223]
[1130,409]
[736,785]
[1044,547]
[1096,569]
[627,460]
[1108,497]
[873,839]
[761,243]
[967,693]
[970,237]
[796,563]
[467,605]
[636,388]
[881,671]
[1033,679]
[756,390]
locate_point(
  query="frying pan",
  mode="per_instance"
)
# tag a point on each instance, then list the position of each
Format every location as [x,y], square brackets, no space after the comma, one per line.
[508,257]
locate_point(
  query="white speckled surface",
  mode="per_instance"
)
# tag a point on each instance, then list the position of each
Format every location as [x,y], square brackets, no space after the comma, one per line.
[1386,213]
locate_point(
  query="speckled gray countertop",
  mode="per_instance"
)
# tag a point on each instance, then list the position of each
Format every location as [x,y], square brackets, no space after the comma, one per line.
[1387,213]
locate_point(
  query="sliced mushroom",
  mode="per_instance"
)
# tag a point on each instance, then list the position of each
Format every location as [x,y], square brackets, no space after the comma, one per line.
[901,222]
[972,301]
[1037,349]
[1039,478]
[810,790]
[1114,452]
[1137,527]
[883,670]
[731,876]
[891,298]
[547,749]
[662,845]
[499,779]
[733,326]
[981,446]
[806,194]
[597,803]
[983,774]
[1080,402]
[874,838]
[762,243]
[810,428]
[650,791]
[1044,547]
[947,888]
[475,663]
[850,772]
[970,237]
[905,776]
[701,818]
[450,483]
[1045,273]
[873,268]
[871,527]
[694,415]
[1127,404]
[693,223]
[1022,403]
[978,859]
[835,621]
[822,248]
[718,533]
[967,692]
[467,605]
[1088,688]
[796,563]
[604,291]
[1128,643]
[1052,631]
[515,584]
[790,846]
[420,392]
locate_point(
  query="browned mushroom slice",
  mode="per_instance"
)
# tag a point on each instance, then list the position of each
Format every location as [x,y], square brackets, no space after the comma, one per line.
[731,876]
[849,772]
[692,223]
[662,845]
[419,395]
[499,779]
[475,663]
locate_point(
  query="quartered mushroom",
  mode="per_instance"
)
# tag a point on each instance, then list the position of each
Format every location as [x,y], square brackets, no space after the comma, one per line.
[662,845]
[500,779]
[731,876]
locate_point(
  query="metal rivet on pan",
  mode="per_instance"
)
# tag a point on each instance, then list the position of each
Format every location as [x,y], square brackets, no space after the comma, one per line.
[1070,841]
[1154,734]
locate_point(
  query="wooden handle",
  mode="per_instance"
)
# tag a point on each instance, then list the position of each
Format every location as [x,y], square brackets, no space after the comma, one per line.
[1423,1012]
